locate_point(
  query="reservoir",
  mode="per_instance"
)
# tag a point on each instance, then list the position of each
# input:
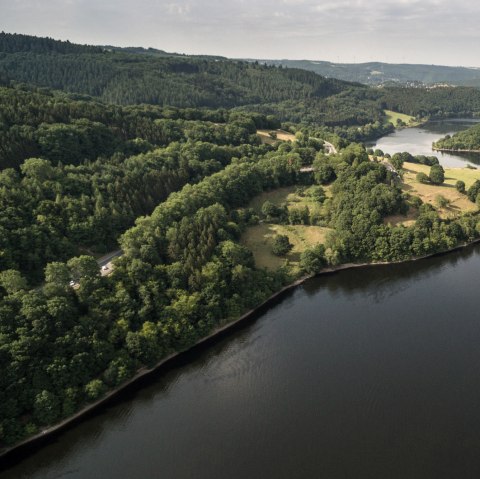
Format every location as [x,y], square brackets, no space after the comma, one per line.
[418,141]
[367,373]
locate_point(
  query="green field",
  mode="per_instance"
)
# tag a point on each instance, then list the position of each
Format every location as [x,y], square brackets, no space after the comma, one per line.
[259,238]
[459,203]
[393,116]
[288,196]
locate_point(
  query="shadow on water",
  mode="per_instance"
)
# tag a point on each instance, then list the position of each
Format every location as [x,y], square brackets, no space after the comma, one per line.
[112,415]
[377,283]
[383,281]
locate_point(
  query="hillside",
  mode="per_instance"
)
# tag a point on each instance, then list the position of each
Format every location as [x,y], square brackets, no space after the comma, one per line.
[467,140]
[124,76]
[189,194]
[378,73]
[75,174]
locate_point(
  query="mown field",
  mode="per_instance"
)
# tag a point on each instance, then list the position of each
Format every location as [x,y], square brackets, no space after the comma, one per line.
[259,238]
[458,203]
[280,135]
[393,116]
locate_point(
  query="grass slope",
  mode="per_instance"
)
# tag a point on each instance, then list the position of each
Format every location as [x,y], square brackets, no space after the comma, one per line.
[458,203]
[394,116]
[281,135]
[259,238]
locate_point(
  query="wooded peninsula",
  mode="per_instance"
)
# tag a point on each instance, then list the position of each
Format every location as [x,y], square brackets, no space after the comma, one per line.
[221,181]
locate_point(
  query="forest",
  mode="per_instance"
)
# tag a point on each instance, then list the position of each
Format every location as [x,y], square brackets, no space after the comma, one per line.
[463,140]
[169,183]
[133,76]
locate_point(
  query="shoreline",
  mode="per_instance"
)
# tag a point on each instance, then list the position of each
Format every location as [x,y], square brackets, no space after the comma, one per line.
[453,150]
[49,432]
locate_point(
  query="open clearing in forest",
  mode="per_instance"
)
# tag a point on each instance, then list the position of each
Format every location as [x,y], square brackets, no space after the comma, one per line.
[393,116]
[459,203]
[281,135]
[259,239]
[405,220]
[288,196]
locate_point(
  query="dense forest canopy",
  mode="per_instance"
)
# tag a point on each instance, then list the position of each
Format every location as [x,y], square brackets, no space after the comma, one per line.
[133,76]
[75,174]
[463,140]
[378,73]
[127,78]
[89,169]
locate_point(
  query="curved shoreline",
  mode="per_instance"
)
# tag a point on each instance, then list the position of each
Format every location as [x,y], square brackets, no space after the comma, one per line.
[47,433]
[453,150]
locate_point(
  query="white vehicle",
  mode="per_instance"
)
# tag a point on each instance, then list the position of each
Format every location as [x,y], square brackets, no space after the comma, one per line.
[72,283]
[104,267]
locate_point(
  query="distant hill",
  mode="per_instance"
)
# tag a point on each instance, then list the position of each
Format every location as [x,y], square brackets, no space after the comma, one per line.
[137,75]
[377,73]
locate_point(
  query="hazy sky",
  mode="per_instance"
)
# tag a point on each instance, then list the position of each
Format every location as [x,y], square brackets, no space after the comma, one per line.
[412,31]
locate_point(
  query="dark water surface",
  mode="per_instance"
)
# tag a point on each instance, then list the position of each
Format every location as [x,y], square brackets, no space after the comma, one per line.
[368,373]
[418,141]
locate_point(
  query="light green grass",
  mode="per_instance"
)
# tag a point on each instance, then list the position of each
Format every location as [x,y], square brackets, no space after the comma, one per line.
[282,135]
[287,195]
[259,239]
[393,116]
[459,203]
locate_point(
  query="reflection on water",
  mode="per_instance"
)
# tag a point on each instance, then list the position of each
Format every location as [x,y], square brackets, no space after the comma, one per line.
[366,373]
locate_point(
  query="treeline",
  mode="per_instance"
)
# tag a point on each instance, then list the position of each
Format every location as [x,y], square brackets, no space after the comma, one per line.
[432,102]
[26,43]
[464,140]
[50,125]
[120,77]
[128,78]
[50,213]
[77,173]
[182,273]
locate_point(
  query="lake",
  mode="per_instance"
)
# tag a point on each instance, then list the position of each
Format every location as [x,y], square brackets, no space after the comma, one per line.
[418,141]
[367,373]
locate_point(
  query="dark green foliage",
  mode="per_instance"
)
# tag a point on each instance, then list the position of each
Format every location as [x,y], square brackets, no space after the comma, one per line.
[437,174]
[132,76]
[25,43]
[422,177]
[473,191]
[397,161]
[50,209]
[460,186]
[273,213]
[317,193]
[127,78]
[312,260]
[281,245]
[463,140]
[400,158]
[433,103]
